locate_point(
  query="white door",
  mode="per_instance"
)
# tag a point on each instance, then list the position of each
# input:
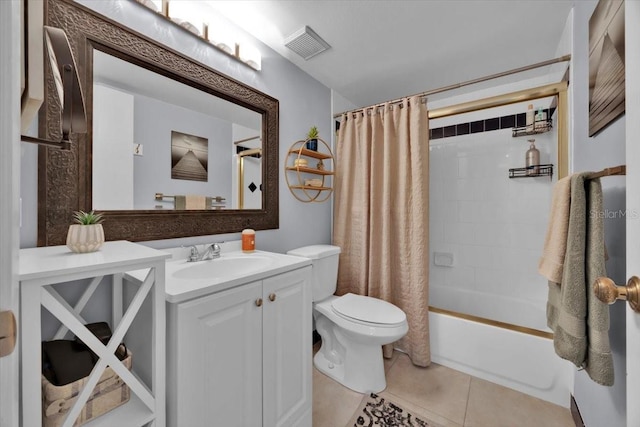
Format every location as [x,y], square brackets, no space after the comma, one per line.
[217,368]
[287,349]
[632,47]
[9,172]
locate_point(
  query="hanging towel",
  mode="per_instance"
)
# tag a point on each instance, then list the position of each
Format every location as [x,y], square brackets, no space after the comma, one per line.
[579,321]
[555,242]
[191,202]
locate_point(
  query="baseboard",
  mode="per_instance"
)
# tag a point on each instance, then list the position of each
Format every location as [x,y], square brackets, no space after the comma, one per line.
[575,413]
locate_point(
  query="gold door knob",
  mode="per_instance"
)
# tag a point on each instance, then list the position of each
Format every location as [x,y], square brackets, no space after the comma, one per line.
[259,302]
[607,291]
[7,333]
[272,297]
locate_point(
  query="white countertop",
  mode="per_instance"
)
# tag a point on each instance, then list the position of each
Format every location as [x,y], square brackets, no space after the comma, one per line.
[179,290]
[56,261]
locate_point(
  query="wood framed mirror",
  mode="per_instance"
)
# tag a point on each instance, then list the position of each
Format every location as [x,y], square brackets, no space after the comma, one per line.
[65,177]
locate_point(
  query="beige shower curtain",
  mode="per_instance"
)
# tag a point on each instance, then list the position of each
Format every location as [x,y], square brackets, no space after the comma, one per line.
[381,218]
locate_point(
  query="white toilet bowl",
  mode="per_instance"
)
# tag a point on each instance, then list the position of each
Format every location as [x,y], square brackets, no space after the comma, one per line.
[353,329]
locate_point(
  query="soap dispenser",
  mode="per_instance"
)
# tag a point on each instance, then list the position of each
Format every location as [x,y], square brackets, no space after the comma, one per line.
[532,158]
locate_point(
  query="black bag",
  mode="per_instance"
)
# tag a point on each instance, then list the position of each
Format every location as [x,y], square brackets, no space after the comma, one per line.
[103,332]
[100,329]
[66,361]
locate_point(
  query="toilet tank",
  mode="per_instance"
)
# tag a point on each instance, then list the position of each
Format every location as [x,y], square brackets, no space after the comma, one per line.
[324,261]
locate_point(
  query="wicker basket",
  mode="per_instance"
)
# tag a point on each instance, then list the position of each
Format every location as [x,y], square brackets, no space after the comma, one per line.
[109,393]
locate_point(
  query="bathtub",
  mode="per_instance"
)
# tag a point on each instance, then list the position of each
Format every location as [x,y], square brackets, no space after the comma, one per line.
[515,357]
[523,312]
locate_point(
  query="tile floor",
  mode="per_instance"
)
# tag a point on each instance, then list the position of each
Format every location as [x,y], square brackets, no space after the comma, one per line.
[442,395]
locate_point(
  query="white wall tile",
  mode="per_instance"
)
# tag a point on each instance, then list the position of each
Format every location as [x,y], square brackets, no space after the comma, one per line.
[494,225]
[468,211]
[436,232]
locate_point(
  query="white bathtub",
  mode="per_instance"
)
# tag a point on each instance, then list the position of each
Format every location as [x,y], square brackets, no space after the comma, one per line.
[517,360]
[525,312]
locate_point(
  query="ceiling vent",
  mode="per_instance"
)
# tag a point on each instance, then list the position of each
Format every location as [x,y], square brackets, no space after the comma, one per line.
[306,43]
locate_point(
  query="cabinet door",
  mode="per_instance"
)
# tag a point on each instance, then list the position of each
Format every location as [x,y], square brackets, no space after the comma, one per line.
[218,362]
[287,349]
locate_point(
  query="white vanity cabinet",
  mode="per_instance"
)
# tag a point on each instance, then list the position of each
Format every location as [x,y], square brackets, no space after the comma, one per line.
[242,356]
[41,269]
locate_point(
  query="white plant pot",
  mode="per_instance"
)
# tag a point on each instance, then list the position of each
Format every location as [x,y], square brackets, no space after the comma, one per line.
[85,238]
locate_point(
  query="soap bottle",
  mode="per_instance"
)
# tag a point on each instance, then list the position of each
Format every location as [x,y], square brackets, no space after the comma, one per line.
[530,118]
[248,240]
[532,158]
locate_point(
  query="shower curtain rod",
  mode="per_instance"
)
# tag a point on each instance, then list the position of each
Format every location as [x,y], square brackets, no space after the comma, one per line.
[466,83]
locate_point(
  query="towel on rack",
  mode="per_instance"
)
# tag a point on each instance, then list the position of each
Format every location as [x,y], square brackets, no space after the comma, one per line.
[191,202]
[555,242]
[580,322]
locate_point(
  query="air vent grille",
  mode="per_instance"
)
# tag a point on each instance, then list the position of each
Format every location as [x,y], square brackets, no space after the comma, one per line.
[306,43]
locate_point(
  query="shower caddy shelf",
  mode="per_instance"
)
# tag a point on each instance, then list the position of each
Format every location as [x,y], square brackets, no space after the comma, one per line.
[543,170]
[539,126]
[302,192]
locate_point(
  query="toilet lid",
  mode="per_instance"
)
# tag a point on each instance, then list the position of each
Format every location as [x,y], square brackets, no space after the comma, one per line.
[368,309]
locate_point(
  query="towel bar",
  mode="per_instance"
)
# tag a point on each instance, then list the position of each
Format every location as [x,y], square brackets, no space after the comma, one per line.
[607,291]
[216,199]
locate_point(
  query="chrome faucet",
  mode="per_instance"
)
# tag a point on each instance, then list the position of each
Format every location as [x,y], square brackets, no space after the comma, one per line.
[212,252]
[194,255]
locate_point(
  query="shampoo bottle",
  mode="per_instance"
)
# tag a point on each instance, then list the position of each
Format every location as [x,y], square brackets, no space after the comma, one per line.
[532,158]
[530,118]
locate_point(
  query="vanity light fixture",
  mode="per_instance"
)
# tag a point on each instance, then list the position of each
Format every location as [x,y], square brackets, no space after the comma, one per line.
[190,16]
[250,56]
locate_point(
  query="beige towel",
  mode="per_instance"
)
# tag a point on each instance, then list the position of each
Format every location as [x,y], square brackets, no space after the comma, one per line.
[579,321]
[191,202]
[555,242]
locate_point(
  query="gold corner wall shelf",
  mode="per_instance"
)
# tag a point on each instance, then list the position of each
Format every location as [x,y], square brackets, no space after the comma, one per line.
[309,182]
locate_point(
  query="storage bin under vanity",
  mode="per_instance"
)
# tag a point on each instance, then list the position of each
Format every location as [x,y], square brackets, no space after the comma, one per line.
[108,394]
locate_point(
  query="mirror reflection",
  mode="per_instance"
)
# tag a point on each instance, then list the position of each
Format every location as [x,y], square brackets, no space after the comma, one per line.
[160,144]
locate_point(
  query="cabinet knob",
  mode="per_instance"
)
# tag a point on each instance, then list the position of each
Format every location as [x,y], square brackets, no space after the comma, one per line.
[259,302]
[272,297]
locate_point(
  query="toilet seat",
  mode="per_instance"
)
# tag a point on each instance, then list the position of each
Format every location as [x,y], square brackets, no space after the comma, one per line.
[368,310]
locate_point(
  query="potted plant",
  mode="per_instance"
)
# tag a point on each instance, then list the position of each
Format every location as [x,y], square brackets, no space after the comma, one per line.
[87,234]
[312,139]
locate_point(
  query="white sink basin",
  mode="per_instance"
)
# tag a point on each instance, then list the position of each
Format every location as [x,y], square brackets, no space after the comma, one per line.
[224,267]
[187,280]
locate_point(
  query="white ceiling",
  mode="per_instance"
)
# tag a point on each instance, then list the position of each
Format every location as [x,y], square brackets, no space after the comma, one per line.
[385,49]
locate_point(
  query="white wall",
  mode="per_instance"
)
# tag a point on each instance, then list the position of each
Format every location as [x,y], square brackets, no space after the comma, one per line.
[304,102]
[112,148]
[599,405]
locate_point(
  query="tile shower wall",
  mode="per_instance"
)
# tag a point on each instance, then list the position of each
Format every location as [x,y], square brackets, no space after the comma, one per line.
[492,225]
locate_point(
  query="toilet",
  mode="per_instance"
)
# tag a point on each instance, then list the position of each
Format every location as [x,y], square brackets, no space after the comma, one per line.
[353,327]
